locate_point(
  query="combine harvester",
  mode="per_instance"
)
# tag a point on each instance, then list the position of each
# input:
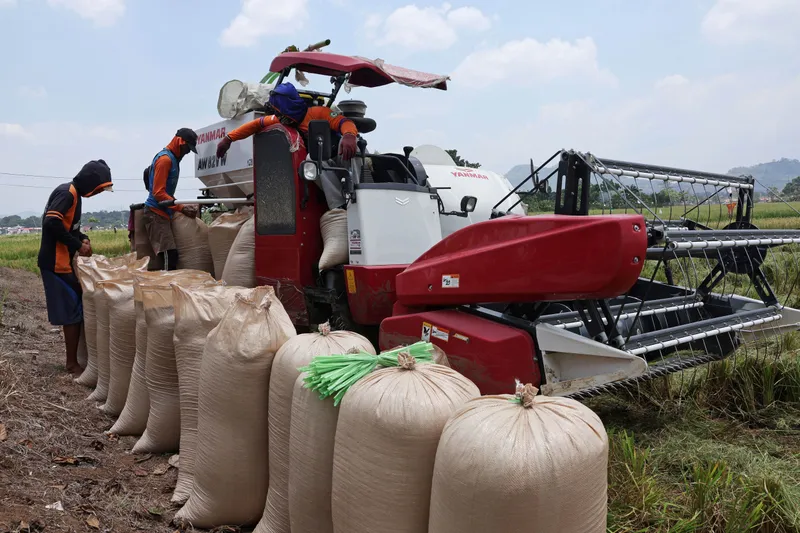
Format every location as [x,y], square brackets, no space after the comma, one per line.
[568,302]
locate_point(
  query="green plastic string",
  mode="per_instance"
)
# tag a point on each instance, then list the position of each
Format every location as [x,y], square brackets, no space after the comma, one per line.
[333,375]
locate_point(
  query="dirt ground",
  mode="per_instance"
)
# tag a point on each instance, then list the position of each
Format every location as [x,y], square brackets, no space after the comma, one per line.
[58,470]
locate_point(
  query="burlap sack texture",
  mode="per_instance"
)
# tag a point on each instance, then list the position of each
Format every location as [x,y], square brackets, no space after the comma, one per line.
[89,270]
[133,419]
[231,466]
[333,226]
[296,353]
[191,238]
[141,242]
[163,430]
[197,312]
[122,346]
[386,437]
[240,265]
[504,462]
[311,442]
[222,233]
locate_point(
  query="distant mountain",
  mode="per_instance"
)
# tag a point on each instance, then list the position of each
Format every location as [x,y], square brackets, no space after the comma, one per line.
[518,173]
[773,174]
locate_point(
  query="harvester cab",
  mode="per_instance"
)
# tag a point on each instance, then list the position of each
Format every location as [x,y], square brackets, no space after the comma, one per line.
[663,277]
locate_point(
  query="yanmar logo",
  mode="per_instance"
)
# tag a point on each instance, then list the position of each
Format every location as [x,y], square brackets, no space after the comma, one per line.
[468,173]
[213,135]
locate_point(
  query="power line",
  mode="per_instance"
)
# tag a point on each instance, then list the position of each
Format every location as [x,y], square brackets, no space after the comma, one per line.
[141,191]
[42,176]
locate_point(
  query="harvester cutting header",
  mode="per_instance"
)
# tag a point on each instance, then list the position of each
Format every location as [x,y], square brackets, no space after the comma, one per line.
[408,246]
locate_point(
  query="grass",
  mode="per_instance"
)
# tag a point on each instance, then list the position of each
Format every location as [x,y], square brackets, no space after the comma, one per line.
[21,251]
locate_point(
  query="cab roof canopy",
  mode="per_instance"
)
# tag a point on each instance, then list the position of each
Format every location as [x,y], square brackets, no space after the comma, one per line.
[362,72]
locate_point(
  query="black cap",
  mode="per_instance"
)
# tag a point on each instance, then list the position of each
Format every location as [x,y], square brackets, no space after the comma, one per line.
[189,137]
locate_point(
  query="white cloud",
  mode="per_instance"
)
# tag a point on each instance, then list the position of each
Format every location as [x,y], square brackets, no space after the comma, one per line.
[32,92]
[529,61]
[13,130]
[746,21]
[102,12]
[710,124]
[675,80]
[425,28]
[259,18]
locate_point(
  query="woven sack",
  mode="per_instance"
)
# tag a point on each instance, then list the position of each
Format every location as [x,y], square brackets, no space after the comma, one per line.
[122,345]
[191,238]
[222,233]
[333,226]
[240,265]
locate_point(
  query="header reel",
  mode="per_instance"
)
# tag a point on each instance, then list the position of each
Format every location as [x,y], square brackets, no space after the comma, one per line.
[712,281]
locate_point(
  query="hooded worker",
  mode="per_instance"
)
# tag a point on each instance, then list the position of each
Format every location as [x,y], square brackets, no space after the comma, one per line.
[162,180]
[61,240]
[292,110]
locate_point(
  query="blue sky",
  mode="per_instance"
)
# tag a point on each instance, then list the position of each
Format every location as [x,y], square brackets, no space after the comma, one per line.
[709,84]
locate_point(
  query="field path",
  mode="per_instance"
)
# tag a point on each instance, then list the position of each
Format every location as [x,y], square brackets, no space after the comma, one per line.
[52,445]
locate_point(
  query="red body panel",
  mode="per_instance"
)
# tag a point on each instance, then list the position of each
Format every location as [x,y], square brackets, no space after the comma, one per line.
[539,258]
[371,292]
[362,72]
[491,355]
[286,261]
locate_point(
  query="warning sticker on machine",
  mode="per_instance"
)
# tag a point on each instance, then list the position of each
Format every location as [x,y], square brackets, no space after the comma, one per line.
[441,334]
[426,332]
[460,337]
[355,242]
[351,281]
[450,281]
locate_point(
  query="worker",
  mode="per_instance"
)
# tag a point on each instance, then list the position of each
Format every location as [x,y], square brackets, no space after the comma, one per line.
[163,175]
[61,240]
[292,110]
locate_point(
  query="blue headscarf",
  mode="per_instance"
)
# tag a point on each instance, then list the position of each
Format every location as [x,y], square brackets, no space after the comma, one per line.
[286,100]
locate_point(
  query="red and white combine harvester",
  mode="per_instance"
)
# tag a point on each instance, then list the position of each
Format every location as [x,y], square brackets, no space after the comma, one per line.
[575,303]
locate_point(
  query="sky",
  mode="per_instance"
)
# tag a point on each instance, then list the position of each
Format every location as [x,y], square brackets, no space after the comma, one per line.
[702,84]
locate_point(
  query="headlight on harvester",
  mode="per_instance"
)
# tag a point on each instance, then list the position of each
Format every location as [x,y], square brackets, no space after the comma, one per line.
[468,204]
[309,170]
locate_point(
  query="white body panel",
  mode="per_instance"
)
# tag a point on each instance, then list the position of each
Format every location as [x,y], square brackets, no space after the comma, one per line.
[236,168]
[488,187]
[391,227]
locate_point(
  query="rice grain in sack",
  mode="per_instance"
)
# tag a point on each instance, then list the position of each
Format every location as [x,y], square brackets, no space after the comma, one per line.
[312,438]
[163,430]
[333,226]
[296,353]
[222,233]
[133,419]
[386,437]
[122,346]
[191,238]
[534,463]
[197,312]
[240,264]
[231,466]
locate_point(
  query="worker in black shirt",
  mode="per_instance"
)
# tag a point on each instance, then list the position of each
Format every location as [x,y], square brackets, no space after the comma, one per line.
[61,240]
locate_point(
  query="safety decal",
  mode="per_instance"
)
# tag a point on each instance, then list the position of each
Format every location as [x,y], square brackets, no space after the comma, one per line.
[460,337]
[441,334]
[426,332]
[351,281]
[450,281]
[355,242]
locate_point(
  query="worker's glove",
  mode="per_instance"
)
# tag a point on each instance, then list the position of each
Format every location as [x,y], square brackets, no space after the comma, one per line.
[347,146]
[222,146]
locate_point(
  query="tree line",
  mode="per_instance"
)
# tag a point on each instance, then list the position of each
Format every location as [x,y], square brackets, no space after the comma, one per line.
[96,218]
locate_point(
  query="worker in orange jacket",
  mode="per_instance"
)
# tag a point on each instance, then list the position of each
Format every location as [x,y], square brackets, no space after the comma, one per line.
[61,241]
[292,110]
[162,180]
